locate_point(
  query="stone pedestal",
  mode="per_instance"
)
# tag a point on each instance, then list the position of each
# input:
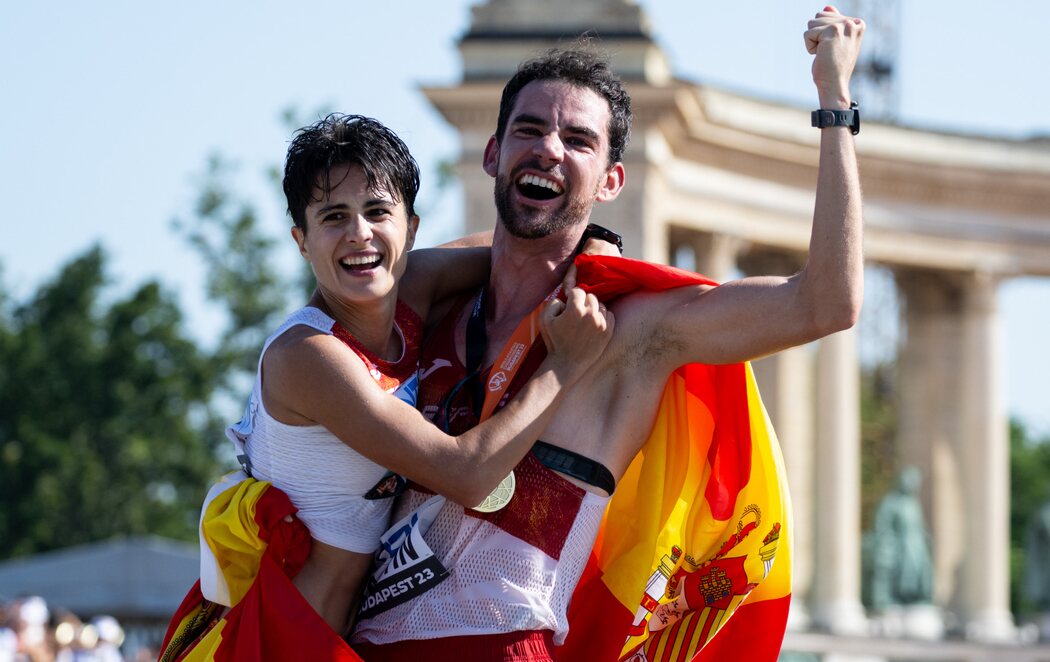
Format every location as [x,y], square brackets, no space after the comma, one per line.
[920,622]
[1043,623]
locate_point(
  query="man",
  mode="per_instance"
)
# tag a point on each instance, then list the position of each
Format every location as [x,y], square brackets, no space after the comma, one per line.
[563,125]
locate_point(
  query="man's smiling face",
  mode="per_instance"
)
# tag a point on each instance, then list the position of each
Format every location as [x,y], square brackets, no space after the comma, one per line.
[551,164]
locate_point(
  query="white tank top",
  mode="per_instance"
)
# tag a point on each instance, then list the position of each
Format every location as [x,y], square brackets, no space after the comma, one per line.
[325,478]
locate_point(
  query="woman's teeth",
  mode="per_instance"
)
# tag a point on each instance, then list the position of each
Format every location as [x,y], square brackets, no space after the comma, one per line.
[361,261]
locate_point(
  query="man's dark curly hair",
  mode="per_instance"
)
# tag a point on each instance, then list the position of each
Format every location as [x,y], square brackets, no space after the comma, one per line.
[577,67]
[347,140]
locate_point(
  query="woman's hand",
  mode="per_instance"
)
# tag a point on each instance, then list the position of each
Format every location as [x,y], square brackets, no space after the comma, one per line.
[575,331]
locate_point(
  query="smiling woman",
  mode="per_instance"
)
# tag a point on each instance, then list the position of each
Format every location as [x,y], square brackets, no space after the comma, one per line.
[356,239]
[323,445]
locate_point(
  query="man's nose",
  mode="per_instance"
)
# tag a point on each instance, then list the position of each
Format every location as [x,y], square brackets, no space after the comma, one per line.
[550,148]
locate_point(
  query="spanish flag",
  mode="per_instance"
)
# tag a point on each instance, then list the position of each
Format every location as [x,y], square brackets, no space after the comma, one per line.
[245,608]
[693,558]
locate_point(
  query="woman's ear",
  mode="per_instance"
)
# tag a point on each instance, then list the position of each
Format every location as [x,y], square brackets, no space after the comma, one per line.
[300,240]
[413,227]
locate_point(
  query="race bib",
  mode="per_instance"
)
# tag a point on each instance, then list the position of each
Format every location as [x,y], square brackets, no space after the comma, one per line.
[405,565]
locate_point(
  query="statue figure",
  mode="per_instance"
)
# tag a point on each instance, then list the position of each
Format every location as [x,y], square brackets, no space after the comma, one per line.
[1037,559]
[900,567]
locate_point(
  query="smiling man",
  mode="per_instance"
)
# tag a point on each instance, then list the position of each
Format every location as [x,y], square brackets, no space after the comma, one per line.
[564,122]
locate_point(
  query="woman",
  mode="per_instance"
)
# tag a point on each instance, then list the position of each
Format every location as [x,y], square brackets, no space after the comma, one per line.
[320,424]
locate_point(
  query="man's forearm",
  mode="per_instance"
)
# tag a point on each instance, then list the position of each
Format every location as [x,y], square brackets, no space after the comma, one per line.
[835,268]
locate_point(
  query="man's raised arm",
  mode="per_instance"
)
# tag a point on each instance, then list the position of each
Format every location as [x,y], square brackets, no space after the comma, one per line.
[834,275]
[752,317]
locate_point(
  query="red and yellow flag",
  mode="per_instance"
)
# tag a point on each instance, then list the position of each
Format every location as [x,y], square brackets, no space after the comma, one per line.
[684,568]
[257,546]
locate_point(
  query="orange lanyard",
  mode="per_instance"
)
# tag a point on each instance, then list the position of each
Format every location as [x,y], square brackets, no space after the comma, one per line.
[510,358]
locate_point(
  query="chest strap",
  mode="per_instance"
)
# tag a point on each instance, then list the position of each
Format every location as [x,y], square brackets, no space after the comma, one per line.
[575,465]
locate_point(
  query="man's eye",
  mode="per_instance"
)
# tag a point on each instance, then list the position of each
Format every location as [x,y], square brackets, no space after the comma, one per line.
[379,212]
[333,217]
[527,131]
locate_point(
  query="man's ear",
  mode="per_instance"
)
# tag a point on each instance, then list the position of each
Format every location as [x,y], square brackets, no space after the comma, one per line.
[413,226]
[491,160]
[613,184]
[300,240]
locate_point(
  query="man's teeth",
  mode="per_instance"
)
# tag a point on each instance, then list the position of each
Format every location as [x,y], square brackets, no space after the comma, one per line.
[360,260]
[539,181]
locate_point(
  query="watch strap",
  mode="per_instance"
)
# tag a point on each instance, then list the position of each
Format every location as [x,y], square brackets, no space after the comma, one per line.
[595,231]
[823,118]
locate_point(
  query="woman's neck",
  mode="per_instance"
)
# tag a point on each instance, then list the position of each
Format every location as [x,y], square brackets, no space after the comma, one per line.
[371,324]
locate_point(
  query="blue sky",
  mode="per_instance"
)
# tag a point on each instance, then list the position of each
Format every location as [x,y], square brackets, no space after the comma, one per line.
[111,108]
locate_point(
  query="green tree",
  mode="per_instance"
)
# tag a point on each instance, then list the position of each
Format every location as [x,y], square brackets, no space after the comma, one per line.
[878,429]
[1029,489]
[105,414]
[238,255]
[111,414]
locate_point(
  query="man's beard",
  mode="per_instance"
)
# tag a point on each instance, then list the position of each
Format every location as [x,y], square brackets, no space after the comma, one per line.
[535,223]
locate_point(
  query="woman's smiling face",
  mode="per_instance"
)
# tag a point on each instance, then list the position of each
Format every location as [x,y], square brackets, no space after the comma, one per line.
[356,239]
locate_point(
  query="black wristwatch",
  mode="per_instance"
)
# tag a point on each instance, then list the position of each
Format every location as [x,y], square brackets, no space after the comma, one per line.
[595,231]
[850,118]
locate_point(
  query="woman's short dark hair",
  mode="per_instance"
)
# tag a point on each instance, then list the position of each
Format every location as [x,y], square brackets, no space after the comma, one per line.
[577,67]
[347,140]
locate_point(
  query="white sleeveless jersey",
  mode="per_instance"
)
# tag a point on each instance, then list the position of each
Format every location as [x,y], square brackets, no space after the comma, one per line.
[325,478]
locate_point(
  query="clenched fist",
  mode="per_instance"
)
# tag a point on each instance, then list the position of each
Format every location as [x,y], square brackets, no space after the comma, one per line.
[835,41]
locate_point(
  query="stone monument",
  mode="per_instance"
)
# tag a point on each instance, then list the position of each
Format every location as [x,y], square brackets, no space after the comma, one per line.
[899,567]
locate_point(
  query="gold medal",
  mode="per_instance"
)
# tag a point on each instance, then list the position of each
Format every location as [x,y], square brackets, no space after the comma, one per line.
[500,496]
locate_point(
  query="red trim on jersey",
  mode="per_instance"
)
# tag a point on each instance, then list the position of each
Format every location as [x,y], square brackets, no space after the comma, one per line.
[391,374]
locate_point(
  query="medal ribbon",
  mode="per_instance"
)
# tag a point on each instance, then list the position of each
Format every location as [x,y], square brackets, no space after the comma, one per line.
[510,358]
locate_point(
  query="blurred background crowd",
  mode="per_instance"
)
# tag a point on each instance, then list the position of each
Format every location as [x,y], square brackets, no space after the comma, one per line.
[31,630]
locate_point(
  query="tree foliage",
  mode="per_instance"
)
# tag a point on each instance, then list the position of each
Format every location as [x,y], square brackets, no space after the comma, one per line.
[103,414]
[109,422]
[878,425]
[238,256]
[1029,490]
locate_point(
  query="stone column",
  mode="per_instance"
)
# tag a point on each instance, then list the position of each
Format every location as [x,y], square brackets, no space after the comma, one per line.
[985,454]
[836,585]
[929,424]
[785,381]
[715,255]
